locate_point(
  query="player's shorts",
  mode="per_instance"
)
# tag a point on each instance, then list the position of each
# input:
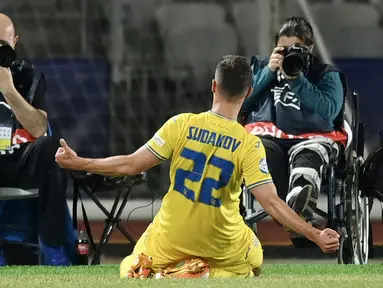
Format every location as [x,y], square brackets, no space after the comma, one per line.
[164,254]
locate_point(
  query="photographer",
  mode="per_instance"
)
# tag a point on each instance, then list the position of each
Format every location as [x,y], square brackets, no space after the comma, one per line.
[296,98]
[27,156]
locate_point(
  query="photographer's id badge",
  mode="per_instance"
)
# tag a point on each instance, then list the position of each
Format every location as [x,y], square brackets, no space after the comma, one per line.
[5,137]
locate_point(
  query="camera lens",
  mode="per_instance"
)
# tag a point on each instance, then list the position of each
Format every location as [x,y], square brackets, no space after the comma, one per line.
[293,63]
[7,56]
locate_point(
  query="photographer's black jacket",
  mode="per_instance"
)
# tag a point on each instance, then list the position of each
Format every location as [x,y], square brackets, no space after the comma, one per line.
[31,85]
[301,108]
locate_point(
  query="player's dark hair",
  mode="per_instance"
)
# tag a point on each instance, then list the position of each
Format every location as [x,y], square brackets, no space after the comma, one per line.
[298,27]
[233,73]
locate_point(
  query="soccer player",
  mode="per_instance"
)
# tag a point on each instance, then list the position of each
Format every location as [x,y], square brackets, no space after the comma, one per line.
[211,155]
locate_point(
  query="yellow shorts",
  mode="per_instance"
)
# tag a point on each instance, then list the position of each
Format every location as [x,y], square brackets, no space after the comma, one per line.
[240,265]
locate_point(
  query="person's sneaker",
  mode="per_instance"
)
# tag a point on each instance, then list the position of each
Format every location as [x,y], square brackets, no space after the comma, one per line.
[54,256]
[2,258]
[303,200]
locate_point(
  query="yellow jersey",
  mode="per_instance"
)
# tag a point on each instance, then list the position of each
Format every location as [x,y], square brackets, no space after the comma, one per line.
[211,156]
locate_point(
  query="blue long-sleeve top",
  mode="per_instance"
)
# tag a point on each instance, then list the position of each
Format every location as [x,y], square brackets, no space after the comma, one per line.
[325,98]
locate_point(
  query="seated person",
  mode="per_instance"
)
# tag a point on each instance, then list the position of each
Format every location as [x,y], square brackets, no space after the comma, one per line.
[26,155]
[199,217]
[287,110]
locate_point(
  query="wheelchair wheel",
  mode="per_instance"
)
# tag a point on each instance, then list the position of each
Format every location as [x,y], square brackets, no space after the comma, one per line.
[362,233]
[355,246]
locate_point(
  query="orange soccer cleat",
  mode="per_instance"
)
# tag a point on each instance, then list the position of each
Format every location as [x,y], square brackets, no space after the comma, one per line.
[191,268]
[141,268]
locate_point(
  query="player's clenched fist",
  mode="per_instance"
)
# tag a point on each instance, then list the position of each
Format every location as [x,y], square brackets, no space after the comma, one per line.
[328,240]
[276,59]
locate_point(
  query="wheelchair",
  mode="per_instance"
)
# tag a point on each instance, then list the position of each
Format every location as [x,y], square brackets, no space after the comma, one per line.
[347,207]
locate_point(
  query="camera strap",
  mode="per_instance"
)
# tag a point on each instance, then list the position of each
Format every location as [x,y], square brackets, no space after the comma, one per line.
[35,81]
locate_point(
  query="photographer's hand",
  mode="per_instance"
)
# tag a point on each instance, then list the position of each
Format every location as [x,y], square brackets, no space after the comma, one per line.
[276,59]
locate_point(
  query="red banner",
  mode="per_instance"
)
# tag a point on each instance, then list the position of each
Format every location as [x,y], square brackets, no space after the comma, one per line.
[269,129]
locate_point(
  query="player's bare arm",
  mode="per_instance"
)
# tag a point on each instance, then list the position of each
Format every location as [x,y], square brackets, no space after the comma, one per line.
[327,240]
[124,165]
[32,119]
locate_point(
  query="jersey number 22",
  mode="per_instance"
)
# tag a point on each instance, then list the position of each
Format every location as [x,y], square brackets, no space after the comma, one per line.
[195,175]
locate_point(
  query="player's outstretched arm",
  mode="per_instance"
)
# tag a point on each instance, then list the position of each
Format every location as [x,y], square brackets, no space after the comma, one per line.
[124,165]
[327,240]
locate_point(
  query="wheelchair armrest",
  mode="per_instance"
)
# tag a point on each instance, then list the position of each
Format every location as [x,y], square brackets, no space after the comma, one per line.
[256,216]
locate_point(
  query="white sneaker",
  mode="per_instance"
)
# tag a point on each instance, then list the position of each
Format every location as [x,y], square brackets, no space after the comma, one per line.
[303,200]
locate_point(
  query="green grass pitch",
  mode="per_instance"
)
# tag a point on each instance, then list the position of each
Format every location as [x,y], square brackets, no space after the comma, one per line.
[273,276]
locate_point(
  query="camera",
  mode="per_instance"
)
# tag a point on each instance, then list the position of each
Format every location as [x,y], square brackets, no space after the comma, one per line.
[7,54]
[8,58]
[296,59]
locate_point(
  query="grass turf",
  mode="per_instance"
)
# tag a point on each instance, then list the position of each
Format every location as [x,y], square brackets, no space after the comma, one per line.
[273,276]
